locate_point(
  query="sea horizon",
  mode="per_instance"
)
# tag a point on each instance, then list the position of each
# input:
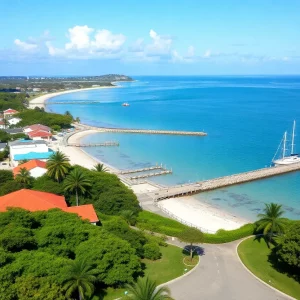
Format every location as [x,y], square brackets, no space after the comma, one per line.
[244,119]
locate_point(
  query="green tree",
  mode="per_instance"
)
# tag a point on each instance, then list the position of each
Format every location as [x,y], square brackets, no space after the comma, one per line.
[270,221]
[67,113]
[77,182]
[24,177]
[146,289]
[129,217]
[191,236]
[58,166]
[100,168]
[80,279]
[5,176]
[77,120]
[288,249]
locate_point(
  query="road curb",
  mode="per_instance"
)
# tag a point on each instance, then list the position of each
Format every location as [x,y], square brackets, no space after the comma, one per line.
[257,278]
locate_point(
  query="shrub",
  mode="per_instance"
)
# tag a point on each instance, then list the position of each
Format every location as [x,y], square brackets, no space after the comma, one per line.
[225,236]
[151,251]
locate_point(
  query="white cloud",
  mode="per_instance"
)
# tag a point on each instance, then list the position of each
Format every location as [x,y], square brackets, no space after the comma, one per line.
[191,51]
[137,46]
[25,46]
[86,42]
[79,37]
[161,45]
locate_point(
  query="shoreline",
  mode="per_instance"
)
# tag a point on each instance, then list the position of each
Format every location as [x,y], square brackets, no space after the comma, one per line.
[40,101]
[186,210]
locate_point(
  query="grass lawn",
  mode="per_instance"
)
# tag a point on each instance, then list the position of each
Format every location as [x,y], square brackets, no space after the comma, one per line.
[162,270]
[254,255]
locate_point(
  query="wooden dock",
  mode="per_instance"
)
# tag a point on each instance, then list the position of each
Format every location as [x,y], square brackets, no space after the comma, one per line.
[164,172]
[104,144]
[157,167]
[207,185]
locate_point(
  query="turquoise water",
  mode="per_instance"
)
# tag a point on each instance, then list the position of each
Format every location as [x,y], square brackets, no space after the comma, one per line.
[245,118]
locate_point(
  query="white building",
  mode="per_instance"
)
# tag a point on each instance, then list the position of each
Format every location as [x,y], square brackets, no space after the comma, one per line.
[28,150]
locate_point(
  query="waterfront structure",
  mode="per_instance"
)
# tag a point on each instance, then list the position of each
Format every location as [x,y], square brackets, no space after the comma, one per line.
[35,167]
[42,201]
[28,149]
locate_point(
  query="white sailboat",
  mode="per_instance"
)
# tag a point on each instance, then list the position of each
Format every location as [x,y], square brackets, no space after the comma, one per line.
[287,159]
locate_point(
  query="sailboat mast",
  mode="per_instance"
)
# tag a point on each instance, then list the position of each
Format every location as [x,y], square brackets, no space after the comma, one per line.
[284,145]
[293,137]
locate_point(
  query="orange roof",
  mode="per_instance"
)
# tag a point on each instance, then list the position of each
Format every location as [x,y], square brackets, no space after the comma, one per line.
[84,211]
[38,127]
[36,201]
[32,200]
[39,133]
[30,165]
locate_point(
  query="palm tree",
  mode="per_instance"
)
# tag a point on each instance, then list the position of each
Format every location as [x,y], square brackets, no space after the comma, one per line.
[128,216]
[24,177]
[271,221]
[78,182]
[80,278]
[58,166]
[146,289]
[100,168]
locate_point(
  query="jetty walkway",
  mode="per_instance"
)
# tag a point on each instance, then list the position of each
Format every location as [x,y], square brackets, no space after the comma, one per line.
[142,131]
[207,185]
[156,167]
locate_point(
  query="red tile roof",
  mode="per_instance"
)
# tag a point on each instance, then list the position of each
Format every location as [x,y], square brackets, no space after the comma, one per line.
[30,165]
[39,133]
[10,111]
[36,201]
[84,211]
[32,200]
[38,127]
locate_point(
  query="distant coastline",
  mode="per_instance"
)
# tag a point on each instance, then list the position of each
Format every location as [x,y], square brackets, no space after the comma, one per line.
[41,100]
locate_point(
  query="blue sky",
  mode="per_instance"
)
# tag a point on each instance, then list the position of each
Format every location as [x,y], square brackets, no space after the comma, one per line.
[94,37]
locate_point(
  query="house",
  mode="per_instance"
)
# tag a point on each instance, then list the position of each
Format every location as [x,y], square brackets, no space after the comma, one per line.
[35,127]
[40,135]
[42,201]
[14,120]
[35,167]
[14,130]
[9,112]
[28,149]
[2,146]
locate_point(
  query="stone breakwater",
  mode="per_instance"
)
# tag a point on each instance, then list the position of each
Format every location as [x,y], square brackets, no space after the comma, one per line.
[207,185]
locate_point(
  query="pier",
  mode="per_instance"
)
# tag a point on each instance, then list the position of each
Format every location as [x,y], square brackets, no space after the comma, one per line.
[207,185]
[104,144]
[157,167]
[164,172]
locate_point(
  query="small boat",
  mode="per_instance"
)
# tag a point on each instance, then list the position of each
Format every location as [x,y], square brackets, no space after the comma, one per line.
[125,104]
[293,157]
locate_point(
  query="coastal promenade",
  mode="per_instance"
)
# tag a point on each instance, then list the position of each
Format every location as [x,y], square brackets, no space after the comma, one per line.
[207,185]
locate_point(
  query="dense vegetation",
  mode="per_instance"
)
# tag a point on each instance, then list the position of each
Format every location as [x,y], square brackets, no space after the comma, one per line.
[11,100]
[38,116]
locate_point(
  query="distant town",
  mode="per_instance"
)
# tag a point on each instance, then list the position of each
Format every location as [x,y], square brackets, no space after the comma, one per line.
[40,84]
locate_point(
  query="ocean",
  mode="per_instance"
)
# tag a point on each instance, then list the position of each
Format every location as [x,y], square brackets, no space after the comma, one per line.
[245,118]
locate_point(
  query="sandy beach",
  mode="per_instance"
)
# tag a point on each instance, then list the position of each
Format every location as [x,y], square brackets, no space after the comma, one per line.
[40,101]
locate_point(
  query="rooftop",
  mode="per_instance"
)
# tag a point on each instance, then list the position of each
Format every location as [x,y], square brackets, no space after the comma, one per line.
[39,201]
[14,130]
[34,163]
[26,142]
[38,127]
[39,133]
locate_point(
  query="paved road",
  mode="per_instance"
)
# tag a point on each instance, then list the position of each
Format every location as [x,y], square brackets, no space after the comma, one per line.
[220,275]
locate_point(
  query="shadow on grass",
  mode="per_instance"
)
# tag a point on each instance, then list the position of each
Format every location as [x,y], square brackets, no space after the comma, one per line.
[282,267]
